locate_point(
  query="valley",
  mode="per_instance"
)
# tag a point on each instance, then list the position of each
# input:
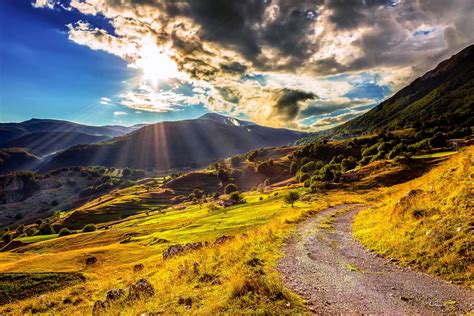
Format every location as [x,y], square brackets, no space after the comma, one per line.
[220,215]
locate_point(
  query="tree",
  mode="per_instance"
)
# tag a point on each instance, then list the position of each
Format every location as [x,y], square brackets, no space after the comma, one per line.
[348,164]
[46,229]
[231,187]
[236,197]
[293,167]
[7,238]
[291,197]
[89,228]
[197,193]
[223,176]
[126,172]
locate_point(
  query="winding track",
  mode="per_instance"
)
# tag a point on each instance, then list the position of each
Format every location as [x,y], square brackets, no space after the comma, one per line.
[337,275]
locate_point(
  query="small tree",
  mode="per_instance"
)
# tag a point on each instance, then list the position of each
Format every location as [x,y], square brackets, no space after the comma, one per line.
[89,228]
[291,197]
[197,193]
[223,175]
[7,238]
[236,197]
[231,187]
[46,229]
[293,167]
[126,172]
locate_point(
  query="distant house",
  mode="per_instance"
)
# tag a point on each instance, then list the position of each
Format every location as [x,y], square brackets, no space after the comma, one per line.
[350,176]
[226,203]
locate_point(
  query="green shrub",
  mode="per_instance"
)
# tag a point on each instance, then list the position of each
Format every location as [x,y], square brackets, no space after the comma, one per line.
[89,228]
[236,197]
[231,187]
[46,229]
[64,232]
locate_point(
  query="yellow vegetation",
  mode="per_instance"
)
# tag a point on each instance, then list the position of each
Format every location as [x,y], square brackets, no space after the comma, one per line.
[427,222]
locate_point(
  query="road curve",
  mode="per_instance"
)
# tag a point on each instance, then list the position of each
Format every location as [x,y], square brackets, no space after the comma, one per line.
[337,275]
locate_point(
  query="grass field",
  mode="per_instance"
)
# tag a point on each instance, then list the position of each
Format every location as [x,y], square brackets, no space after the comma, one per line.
[427,222]
[236,276]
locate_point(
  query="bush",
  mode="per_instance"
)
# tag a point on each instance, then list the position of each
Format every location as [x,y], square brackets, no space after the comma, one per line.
[64,232]
[89,228]
[291,197]
[236,197]
[197,193]
[223,175]
[303,177]
[45,229]
[293,167]
[231,187]
[126,172]
[7,238]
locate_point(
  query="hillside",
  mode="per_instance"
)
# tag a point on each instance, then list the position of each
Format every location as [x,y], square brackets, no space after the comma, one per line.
[14,159]
[45,143]
[427,222]
[443,97]
[11,131]
[168,145]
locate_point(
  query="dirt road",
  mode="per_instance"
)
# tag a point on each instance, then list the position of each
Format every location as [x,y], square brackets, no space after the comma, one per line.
[336,274]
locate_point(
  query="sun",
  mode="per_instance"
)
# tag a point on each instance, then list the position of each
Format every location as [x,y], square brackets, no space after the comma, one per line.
[155,62]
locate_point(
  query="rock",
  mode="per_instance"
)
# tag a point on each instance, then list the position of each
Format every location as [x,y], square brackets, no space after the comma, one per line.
[223,239]
[99,307]
[115,295]
[141,289]
[138,267]
[91,260]
[172,251]
[193,246]
[187,302]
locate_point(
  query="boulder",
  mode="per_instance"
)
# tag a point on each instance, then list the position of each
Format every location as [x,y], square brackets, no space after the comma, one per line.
[172,251]
[138,267]
[223,239]
[91,260]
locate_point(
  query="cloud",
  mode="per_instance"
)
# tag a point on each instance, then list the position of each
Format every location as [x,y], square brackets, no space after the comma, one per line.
[120,113]
[49,4]
[282,63]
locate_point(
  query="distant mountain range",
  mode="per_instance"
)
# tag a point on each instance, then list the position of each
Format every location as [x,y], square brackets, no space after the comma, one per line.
[169,145]
[43,137]
[442,97]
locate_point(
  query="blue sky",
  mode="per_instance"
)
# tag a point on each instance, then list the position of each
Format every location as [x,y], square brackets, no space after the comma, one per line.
[285,64]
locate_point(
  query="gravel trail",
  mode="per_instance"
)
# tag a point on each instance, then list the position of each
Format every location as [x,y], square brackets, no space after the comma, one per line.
[337,275]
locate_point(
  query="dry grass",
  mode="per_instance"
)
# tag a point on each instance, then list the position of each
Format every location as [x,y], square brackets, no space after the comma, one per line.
[431,228]
[238,276]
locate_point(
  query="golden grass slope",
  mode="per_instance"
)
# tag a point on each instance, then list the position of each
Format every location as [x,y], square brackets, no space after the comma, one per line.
[238,276]
[427,222]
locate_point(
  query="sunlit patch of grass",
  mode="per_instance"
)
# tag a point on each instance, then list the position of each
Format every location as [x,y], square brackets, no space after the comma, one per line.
[238,276]
[436,155]
[431,228]
[37,238]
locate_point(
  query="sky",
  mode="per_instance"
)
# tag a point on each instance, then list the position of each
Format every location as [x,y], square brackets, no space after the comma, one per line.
[300,64]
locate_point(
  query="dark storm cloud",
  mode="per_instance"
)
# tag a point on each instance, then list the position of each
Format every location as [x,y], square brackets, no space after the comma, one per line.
[233,68]
[288,103]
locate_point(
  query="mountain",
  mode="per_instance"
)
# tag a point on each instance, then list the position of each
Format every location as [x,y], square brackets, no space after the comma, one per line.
[442,97]
[14,159]
[178,144]
[226,120]
[44,143]
[43,137]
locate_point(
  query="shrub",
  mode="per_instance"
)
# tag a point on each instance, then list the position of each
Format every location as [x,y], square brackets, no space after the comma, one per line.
[126,172]
[89,228]
[223,175]
[236,197]
[291,197]
[45,229]
[304,176]
[293,167]
[7,238]
[197,193]
[231,187]
[64,232]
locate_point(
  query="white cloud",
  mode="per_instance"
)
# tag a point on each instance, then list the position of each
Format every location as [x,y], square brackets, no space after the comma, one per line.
[49,4]
[120,113]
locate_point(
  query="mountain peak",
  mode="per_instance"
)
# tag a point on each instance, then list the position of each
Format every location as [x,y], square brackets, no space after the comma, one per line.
[226,120]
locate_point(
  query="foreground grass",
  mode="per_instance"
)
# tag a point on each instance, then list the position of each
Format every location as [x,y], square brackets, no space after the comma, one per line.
[238,276]
[430,228]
